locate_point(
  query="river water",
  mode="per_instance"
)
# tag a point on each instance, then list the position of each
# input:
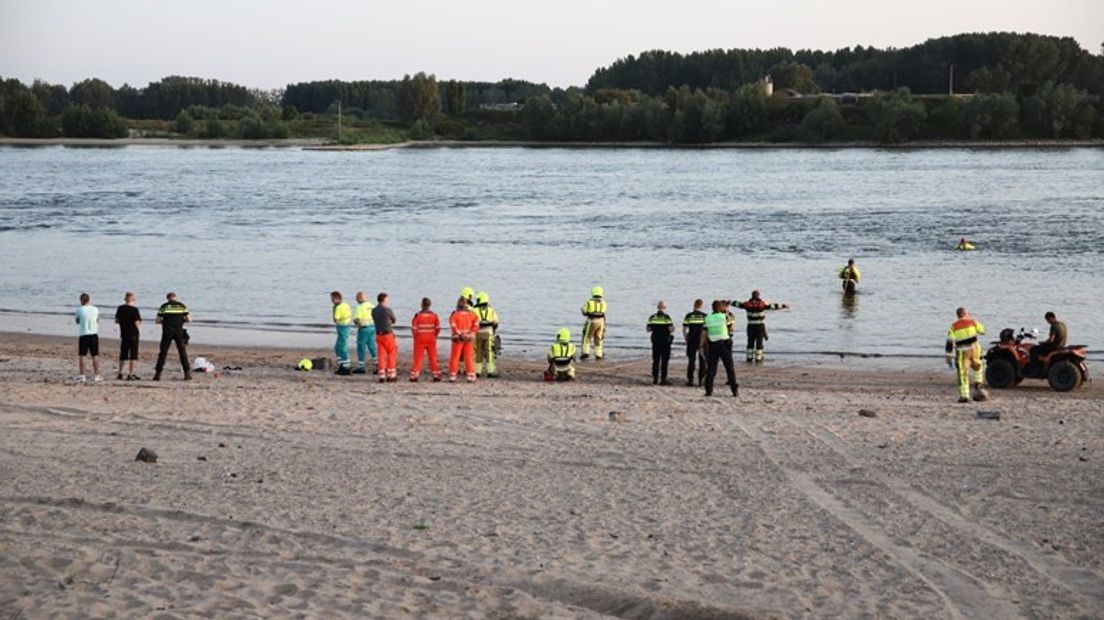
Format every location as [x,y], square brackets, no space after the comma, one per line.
[253,240]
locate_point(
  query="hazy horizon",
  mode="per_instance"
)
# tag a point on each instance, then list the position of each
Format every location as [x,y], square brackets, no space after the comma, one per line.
[129,41]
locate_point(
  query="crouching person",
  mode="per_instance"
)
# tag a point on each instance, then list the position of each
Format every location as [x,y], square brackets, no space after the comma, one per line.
[561,358]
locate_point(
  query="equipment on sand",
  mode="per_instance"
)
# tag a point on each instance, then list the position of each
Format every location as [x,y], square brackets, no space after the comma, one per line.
[305,364]
[1008,362]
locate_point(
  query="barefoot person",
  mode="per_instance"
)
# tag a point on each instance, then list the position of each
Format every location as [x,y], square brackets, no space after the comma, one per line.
[172,316]
[88,343]
[129,320]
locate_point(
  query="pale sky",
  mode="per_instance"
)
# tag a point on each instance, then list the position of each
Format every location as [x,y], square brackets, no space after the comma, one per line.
[270,44]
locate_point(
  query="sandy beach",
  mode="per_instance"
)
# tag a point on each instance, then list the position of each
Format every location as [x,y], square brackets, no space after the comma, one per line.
[286,494]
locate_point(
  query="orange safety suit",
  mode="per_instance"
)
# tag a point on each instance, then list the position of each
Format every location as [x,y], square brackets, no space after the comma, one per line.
[426,326]
[465,326]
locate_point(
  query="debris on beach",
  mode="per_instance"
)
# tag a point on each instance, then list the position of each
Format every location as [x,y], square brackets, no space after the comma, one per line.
[988,415]
[617,416]
[146,456]
[868,413]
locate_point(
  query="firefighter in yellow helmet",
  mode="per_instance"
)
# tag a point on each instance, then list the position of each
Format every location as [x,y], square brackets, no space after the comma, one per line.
[964,354]
[561,358]
[485,339]
[594,329]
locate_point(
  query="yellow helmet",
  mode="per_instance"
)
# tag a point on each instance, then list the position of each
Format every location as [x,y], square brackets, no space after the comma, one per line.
[482,298]
[564,335]
[305,364]
[467,292]
[597,292]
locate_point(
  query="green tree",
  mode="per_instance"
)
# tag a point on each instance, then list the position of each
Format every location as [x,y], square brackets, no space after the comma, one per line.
[1050,111]
[456,97]
[824,121]
[184,123]
[419,98]
[747,112]
[537,115]
[991,117]
[945,121]
[788,75]
[94,93]
[897,116]
[289,113]
[214,128]
[25,115]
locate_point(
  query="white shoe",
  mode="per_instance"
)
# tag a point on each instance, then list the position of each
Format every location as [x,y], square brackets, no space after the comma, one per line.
[80,378]
[97,378]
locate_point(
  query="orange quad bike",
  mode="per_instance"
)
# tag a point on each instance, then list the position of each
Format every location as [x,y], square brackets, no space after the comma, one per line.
[1008,362]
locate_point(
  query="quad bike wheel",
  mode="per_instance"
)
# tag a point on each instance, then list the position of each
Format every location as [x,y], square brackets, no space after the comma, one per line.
[1001,374]
[1064,376]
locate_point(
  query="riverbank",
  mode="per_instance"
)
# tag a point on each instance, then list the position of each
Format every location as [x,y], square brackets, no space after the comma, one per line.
[279,493]
[318,144]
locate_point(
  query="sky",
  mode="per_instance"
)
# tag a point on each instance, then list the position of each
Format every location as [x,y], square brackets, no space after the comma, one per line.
[272,43]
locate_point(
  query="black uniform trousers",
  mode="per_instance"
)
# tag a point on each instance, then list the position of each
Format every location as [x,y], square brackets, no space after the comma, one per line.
[695,357]
[720,351]
[170,335]
[661,357]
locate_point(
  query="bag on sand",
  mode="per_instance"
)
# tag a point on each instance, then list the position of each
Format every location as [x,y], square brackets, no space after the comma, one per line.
[201,364]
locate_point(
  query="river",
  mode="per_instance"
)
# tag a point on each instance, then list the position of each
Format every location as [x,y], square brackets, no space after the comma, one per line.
[253,240]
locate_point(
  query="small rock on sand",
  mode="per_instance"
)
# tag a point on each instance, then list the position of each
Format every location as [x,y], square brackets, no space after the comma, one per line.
[868,413]
[988,415]
[617,416]
[146,456]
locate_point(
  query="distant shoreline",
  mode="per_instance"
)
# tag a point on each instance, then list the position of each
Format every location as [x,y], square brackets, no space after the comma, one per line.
[315,144]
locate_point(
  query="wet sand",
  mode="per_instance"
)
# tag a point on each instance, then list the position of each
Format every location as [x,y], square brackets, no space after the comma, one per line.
[280,493]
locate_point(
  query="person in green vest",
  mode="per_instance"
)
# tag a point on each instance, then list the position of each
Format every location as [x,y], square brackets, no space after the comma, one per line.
[366,333]
[714,341]
[662,328]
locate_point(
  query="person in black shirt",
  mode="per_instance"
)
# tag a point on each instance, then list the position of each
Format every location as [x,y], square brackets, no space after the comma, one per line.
[660,326]
[692,325]
[129,320]
[172,315]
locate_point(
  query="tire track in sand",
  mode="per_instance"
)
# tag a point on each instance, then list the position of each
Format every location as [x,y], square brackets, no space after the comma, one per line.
[962,593]
[1083,583]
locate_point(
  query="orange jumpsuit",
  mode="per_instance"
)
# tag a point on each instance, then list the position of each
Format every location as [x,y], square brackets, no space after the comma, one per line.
[425,326]
[465,326]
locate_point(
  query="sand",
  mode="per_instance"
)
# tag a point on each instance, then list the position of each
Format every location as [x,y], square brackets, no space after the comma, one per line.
[285,494]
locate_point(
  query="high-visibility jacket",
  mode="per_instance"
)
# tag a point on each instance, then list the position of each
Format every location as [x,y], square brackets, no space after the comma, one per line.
[364,314]
[464,324]
[594,308]
[716,326]
[342,314]
[850,272]
[426,325]
[963,334]
[757,310]
[561,353]
[173,314]
[488,318]
[659,325]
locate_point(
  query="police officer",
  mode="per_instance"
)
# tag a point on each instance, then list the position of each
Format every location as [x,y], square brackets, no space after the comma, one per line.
[692,325]
[172,315]
[715,340]
[661,327]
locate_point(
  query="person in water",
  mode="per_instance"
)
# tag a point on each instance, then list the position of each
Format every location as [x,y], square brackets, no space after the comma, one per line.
[850,275]
[964,244]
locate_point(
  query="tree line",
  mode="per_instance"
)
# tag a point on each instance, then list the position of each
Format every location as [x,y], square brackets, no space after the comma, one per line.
[1019,85]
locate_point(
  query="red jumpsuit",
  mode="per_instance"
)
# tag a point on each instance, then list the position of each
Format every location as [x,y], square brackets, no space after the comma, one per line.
[425,326]
[465,326]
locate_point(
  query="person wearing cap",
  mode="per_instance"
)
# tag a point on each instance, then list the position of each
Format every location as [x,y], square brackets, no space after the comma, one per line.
[561,357]
[594,329]
[662,329]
